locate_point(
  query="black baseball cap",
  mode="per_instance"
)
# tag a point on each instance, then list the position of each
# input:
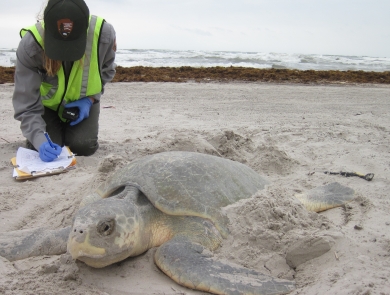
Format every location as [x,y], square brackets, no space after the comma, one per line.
[66,25]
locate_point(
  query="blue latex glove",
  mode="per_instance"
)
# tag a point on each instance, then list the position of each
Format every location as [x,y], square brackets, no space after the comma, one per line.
[84,104]
[47,153]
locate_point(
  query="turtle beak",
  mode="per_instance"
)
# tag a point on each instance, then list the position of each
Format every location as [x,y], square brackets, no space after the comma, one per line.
[78,250]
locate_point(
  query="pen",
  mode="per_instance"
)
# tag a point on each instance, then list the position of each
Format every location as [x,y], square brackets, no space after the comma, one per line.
[49,140]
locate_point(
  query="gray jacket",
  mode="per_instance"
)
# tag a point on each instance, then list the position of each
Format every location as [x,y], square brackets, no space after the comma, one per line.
[29,75]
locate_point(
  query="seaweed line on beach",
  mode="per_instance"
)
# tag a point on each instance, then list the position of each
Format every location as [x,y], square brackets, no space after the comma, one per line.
[233,74]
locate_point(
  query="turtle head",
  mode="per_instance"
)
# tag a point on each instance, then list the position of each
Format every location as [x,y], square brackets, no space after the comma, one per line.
[105,232]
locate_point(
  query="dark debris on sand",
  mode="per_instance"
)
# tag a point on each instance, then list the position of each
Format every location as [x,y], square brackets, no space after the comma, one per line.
[233,74]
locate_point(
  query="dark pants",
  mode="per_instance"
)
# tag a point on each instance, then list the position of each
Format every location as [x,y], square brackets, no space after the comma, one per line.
[82,139]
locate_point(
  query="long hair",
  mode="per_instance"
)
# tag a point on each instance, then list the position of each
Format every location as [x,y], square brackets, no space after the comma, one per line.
[50,65]
[53,66]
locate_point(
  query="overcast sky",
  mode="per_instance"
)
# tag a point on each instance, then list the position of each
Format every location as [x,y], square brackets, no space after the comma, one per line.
[336,27]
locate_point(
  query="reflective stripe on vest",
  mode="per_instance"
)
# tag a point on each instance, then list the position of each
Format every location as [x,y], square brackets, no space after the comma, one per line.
[84,78]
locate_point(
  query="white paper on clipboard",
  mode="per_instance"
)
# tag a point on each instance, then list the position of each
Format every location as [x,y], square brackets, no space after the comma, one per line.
[29,161]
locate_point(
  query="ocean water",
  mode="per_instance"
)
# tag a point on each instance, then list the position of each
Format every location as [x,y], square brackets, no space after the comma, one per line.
[263,60]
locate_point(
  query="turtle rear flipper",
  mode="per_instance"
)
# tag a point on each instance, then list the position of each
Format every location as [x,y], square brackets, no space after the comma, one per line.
[326,197]
[22,244]
[191,265]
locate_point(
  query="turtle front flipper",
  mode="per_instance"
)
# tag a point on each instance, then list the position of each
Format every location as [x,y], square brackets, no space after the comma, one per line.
[22,244]
[191,265]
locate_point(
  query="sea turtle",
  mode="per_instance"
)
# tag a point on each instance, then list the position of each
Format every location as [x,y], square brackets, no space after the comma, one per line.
[169,200]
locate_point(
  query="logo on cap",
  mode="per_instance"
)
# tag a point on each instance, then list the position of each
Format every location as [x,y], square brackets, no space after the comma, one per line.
[65,27]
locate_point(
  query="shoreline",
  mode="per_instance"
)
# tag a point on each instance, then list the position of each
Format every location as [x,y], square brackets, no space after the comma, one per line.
[234,74]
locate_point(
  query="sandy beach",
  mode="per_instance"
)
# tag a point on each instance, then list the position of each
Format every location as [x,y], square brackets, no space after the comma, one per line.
[288,133]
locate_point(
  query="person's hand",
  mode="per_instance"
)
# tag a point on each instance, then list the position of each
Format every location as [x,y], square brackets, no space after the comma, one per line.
[84,105]
[47,153]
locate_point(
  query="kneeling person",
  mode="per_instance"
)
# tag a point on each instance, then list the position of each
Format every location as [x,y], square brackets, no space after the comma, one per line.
[62,66]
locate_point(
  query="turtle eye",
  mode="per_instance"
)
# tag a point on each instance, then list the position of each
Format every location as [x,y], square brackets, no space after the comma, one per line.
[106,227]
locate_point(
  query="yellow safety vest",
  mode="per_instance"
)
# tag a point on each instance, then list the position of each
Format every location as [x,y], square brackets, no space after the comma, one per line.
[84,79]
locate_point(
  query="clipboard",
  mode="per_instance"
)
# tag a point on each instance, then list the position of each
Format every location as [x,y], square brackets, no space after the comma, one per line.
[19,174]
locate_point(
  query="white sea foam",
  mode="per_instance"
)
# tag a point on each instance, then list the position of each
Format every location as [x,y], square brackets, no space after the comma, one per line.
[265,60]
[7,57]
